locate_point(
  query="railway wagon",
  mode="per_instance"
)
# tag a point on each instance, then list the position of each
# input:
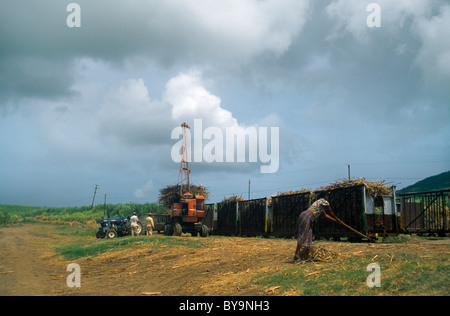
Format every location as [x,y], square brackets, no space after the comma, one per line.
[243,218]
[374,215]
[285,211]
[425,212]
[369,211]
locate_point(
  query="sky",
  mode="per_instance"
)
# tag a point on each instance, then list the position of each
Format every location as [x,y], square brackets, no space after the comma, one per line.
[95,94]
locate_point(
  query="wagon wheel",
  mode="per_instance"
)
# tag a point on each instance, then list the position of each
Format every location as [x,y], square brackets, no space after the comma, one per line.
[139,228]
[168,230]
[177,230]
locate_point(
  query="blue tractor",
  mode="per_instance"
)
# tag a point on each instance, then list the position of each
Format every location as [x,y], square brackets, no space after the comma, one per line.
[117,226]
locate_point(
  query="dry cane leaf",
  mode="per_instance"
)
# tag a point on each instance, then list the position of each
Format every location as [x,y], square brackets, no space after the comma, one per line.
[272,289]
[151,293]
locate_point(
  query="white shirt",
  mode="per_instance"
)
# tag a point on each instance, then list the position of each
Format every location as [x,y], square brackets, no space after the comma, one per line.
[133,220]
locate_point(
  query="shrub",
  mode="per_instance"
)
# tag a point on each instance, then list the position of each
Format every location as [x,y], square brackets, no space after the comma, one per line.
[5,217]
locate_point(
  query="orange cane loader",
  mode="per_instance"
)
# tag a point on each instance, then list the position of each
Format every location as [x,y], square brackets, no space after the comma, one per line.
[188,214]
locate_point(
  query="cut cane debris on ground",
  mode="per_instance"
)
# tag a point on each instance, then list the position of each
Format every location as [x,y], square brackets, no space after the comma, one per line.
[323,254]
[318,254]
[34,259]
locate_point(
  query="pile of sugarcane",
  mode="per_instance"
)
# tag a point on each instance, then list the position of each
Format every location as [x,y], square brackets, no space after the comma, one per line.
[373,188]
[323,254]
[233,198]
[171,193]
[293,192]
[318,254]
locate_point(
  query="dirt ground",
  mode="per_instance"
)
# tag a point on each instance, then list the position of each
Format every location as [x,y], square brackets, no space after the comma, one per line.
[28,265]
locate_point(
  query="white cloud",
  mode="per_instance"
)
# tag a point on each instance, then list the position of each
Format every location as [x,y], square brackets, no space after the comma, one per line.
[142,192]
[351,16]
[129,115]
[247,28]
[122,125]
[227,33]
[103,99]
[434,55]
[190,100]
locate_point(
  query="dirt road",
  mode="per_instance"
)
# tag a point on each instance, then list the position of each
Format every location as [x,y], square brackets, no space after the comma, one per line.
[29,266]
[22,270]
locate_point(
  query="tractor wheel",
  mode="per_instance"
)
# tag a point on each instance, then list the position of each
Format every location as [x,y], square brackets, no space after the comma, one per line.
[111,233]
[177,230]
[139,229]
[100,235]
[204,231]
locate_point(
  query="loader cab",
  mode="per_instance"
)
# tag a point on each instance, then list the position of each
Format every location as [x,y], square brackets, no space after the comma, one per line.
[200,206]
[200,203]
[187,217]
[190,209]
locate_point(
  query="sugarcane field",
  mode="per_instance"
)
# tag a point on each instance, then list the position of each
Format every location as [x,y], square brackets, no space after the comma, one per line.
[225,156]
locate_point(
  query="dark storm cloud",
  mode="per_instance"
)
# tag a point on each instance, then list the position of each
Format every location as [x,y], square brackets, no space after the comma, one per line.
[38,46]
[100,101]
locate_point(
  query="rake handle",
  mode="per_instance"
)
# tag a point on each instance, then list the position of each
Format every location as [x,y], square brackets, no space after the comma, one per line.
[354,230]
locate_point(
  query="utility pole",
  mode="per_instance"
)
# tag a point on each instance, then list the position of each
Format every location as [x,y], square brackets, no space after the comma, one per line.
[95,192]
[348,171]
[104,206]
[249,182]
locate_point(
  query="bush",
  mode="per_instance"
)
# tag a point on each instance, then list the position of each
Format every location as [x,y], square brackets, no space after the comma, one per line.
[11,214]
[5,217]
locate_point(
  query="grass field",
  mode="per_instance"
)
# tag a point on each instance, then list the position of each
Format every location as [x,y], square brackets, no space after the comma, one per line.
[77,242]
[410,265]
[218,265]
[409,274]
[14,214]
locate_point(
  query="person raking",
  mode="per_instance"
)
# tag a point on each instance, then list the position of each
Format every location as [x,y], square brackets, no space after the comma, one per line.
[306,220]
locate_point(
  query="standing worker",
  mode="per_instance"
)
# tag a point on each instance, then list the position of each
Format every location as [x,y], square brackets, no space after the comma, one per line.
[306,220]
[150,224]
[134,224]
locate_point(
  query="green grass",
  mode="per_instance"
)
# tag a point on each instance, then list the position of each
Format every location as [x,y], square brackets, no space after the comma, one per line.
[90,247]
[397,239]
[16,214]
[80,249]
[80,231]
[402,274]
[419,275]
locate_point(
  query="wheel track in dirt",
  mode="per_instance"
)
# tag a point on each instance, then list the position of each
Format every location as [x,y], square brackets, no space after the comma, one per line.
[22,271]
